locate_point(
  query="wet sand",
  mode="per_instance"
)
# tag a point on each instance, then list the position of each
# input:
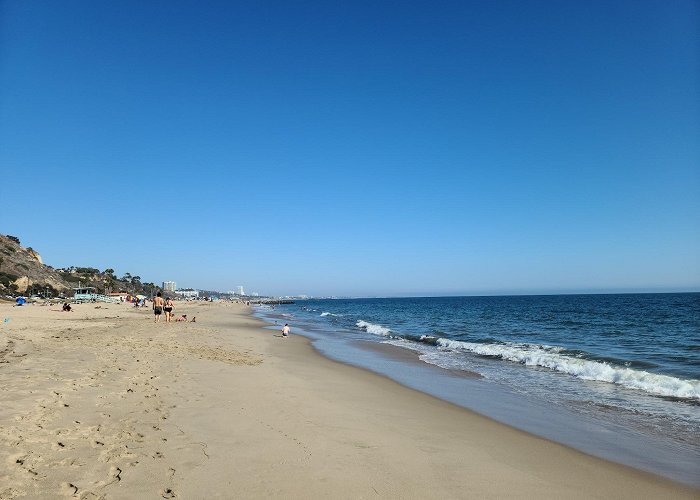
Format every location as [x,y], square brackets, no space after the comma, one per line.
[409,356]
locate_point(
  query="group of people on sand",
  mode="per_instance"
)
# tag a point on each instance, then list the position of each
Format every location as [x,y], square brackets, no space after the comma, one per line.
[166,306]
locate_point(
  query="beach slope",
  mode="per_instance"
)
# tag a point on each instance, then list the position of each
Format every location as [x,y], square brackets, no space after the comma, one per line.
[103,403]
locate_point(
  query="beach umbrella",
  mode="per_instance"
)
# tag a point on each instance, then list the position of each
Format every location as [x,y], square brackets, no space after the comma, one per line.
[21,301]
[140,297]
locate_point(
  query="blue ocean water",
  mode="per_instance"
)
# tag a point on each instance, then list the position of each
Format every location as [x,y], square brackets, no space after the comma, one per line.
[627,363]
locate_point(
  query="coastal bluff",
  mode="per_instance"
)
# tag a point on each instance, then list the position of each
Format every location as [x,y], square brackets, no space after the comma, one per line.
[23,271]
[21,268]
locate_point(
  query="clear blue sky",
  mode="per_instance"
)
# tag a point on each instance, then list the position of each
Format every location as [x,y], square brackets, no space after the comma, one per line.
[357,148]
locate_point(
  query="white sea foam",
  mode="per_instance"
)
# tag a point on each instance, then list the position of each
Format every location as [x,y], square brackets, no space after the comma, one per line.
[549,357]
[373,329]
[330,314]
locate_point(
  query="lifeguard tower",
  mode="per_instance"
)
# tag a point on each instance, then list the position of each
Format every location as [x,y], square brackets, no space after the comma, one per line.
[85,294]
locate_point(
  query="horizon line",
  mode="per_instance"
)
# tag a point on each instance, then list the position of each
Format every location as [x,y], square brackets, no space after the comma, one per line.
[514,294]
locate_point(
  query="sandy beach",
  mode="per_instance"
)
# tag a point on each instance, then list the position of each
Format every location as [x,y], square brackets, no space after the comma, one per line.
[103,403]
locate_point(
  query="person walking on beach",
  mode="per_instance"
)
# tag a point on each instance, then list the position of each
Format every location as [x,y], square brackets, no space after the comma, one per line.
[285,331]
[168,309]
[158,304]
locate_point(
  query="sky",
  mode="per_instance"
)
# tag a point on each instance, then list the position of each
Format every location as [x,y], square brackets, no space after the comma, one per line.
[377,148]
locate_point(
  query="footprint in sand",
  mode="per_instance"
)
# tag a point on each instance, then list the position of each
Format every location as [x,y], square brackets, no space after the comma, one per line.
[167,493]
[69,489]
[23,462]
[115,473]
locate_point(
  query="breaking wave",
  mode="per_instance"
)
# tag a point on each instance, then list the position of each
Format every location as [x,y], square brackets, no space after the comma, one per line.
[550,357]
[373,329]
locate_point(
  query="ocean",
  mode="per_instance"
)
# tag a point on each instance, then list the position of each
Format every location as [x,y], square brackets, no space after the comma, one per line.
[616,376]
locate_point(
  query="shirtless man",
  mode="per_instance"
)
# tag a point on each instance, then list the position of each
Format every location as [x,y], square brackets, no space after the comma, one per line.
[158,303]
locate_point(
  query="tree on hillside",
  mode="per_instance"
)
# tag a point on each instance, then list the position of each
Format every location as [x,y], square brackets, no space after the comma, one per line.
[108,281]
[126,277]
[14,238]
[109,272]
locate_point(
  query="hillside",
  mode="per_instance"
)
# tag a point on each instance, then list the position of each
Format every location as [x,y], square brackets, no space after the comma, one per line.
[22,271]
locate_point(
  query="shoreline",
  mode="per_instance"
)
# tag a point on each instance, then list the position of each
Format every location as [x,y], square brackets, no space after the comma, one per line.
[410,356]
[223,405]
[596,430]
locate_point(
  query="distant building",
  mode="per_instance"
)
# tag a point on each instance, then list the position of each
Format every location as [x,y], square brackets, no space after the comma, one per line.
[169,286]
[187,293]
[240,290]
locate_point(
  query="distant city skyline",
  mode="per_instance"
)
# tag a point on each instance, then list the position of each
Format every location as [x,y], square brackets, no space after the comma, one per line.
[383,149]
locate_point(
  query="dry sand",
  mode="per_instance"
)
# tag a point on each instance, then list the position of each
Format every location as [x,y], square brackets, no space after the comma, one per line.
[103,403]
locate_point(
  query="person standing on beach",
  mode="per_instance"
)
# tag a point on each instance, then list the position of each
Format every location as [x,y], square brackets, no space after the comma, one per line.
[158,306]
[168,309]
[285,331]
